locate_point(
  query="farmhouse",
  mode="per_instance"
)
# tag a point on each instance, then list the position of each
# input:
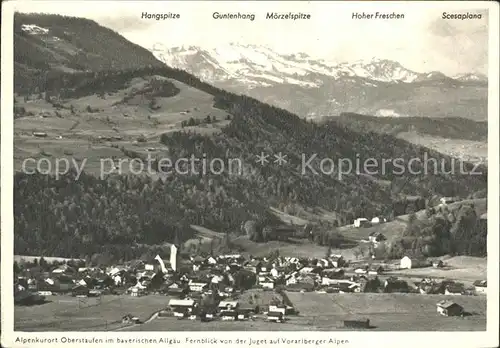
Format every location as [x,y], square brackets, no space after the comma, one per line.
[59,284]
[428,286]
[211,260]
[361,222]
[182,308]
[376,237]
[275,316]
[447,200]
[129,319]
[45,293]
[345,287]
[137,292]
[229,315]
[274,273]
[480,286]
[329,281]
[228,305]
[63,269]
[231,258]
[136,265]
[94,293]
[332,275]
[267,283]
[449,308]
[437,263]
[197,287]
[243,316]
[356,323]
[277,309]
[206,316]
[378,220]
[409,263]
[337,260]
[118,270]
[306,270]
[323,263]
[254,266]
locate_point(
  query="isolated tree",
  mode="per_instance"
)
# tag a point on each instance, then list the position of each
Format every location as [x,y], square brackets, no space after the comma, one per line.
[43,263]
[412,218]
[267,233]
[328,252]
[250,229]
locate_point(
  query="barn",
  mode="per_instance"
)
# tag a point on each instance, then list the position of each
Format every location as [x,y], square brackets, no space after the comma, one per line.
[449,308]
[356,323]
[409,263]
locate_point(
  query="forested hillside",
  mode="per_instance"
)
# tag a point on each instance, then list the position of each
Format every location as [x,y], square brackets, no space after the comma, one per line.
[451,127]
[444,230]
[80,217]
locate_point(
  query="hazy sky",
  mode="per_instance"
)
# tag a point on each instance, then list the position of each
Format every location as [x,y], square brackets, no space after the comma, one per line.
[423,41]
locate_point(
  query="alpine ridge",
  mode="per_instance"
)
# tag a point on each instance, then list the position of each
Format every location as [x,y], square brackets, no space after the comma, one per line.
[262,66]
[318,88]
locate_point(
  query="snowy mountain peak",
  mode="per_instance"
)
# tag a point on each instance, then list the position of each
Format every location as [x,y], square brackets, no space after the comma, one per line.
[255,66]
[379,70]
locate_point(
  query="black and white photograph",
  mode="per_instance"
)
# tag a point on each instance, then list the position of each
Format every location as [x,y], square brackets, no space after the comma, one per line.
[215,166]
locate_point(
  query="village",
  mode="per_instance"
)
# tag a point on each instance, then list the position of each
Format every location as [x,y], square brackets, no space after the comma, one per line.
[237,288]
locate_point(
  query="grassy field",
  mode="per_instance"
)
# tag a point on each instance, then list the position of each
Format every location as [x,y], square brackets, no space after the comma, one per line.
[293,248]
[76,135]
[257,297]
[466,269]
[387,312]
[172,324]
[66,313]
[324,312]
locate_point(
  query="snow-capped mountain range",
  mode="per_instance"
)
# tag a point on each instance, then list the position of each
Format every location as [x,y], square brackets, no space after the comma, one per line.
[258,66]
[318,88]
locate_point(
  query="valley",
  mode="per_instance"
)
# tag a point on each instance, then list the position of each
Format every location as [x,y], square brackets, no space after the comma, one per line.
[115,117]
[107,239]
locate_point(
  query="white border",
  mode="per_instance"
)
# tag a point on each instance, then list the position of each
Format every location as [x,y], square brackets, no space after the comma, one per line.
[372,339]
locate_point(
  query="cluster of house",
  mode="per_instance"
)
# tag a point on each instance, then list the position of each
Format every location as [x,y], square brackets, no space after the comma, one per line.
[226,310]
[225,274]
[208,287]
